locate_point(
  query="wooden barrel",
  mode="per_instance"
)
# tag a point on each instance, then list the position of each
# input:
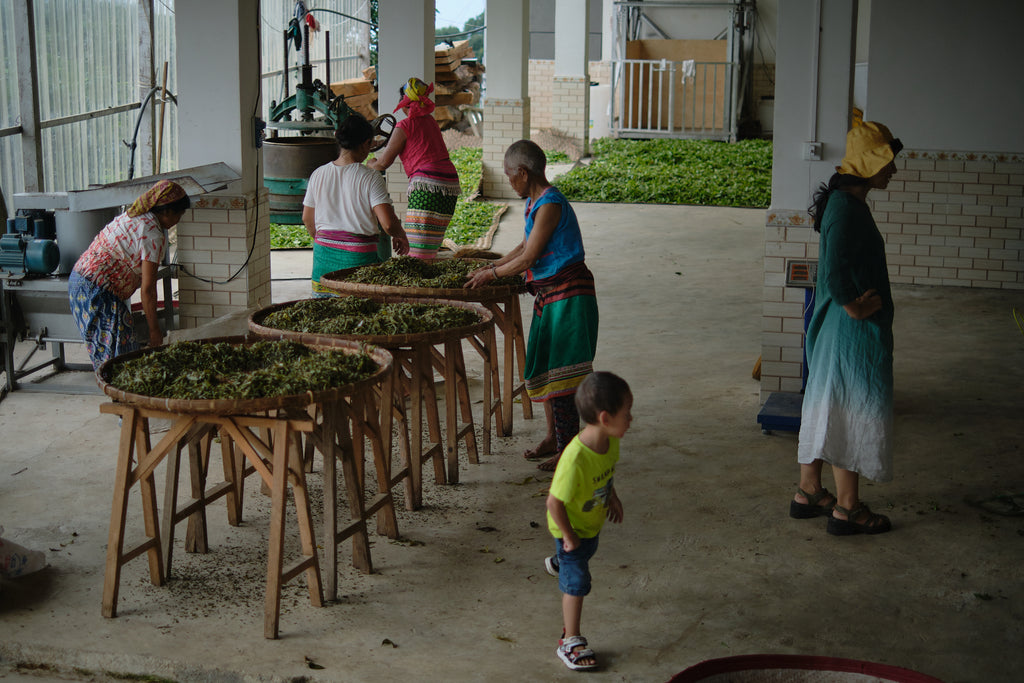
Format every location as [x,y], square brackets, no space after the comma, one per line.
[249,406]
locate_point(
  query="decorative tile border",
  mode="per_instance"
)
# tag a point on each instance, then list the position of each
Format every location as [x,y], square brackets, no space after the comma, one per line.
[221,202]
[786,218]
[962,156]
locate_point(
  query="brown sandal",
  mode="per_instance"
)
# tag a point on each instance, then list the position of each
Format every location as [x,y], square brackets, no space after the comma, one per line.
[812,508]
[872,524]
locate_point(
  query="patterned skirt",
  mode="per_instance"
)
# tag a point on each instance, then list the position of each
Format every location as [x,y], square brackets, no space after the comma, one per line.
[104,320]
[432,201]
[563,333]
[336,250]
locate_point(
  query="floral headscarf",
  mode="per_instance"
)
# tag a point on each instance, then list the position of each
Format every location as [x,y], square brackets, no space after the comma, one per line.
[416,97]
[163,192]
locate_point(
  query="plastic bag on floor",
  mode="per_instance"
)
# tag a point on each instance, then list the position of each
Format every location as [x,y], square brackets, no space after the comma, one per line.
[16,560]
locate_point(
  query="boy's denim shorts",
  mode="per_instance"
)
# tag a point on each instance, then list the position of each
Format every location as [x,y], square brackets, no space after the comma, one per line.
[574,567]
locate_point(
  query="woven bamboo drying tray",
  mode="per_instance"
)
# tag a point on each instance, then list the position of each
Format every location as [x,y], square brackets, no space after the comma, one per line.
[338,281]
[249,406]
[257,327]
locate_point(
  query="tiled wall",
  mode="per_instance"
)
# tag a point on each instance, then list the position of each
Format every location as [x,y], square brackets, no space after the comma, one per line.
[506,123]
[214,239]
[570,104]
[948,218]
[541,81]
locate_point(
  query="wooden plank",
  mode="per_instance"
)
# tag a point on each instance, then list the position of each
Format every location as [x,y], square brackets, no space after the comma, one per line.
[370,73]
[459,49]
[352,86]
[364,104]
[463,97]
[444,113]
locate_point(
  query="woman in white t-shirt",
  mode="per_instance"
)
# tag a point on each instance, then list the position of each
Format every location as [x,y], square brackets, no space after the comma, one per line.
[346,206]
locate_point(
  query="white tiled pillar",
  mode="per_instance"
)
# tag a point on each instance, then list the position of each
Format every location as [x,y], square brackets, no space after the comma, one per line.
[406,50]
[507,105]
[570,93]
[813,99]
[224,250]
[570,108]
[507,121]
[224,240]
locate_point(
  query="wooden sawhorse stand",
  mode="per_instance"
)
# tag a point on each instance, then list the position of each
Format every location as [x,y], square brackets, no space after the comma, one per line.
[278,461]
[344,424]
[508,319]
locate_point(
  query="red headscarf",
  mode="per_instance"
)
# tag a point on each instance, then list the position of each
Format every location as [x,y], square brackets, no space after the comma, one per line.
[163,192]
[417,98]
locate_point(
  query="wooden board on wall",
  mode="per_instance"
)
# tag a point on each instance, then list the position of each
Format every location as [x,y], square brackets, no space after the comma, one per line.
[699,101]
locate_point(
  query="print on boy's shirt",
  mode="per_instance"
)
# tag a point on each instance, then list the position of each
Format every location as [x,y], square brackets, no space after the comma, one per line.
[600,496]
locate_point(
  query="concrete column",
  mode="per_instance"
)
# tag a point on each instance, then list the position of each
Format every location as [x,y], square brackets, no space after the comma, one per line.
[570,92]
[813,97]
[224,242]
[406,49]
[507,105]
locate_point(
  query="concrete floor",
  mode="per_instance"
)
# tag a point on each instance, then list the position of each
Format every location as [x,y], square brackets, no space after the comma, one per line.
[706,564]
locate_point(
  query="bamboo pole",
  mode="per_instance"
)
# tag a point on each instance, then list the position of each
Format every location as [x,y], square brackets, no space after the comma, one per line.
[160,126]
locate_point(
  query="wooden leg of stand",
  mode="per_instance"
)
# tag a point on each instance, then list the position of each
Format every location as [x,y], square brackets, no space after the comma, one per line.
[173,470]
[119,513]
[330,477]
[520,349]
[199,463]
[234,472]
[275,557]
[354,488]
[423,364]
[465,406]
[451,405]
[149,509]
[304,515]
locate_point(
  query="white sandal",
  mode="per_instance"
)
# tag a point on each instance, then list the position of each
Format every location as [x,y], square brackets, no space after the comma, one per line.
[568,653]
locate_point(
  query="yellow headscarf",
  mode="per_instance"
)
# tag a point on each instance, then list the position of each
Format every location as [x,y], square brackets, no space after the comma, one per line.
[416,96]
[869,148]
[163,192]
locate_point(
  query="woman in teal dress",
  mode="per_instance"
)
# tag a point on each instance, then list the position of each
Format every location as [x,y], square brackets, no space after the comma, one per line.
[847,412]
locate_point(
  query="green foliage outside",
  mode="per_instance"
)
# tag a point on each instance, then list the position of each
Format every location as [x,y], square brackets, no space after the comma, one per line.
[476,40]
[471,220]
[289,237]
[699,172]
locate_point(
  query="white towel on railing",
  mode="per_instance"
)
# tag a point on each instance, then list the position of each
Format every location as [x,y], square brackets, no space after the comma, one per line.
[689,69]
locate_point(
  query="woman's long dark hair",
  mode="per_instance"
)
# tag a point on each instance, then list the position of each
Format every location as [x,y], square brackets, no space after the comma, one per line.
[838,181]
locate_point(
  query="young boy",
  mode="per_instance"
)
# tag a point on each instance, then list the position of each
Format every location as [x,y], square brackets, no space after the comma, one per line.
[582,495]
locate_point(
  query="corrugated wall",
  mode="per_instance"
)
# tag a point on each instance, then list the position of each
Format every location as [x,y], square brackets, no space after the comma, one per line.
[87,57]
[350,51]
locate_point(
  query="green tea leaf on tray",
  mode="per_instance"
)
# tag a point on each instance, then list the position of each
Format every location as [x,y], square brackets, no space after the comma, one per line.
[356,315]
[406,271]
[191,370]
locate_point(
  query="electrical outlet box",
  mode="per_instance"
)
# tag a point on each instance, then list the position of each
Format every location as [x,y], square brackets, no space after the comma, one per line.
[801,273]
[812,151]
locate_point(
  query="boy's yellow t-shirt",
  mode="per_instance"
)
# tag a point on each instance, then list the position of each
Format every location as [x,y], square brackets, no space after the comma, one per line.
[583,481]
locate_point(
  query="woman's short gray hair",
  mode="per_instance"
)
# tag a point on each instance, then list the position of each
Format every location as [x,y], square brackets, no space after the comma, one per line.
[528,155]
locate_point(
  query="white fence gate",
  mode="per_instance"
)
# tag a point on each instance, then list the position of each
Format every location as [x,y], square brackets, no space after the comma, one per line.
[679,99]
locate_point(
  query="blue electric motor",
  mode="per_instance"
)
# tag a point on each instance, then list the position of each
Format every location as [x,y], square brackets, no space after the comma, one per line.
[28,246]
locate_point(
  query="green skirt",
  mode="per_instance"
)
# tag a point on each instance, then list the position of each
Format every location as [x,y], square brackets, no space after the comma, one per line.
[563,334]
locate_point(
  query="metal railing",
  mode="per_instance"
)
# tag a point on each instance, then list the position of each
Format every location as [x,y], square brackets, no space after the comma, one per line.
[680,99]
